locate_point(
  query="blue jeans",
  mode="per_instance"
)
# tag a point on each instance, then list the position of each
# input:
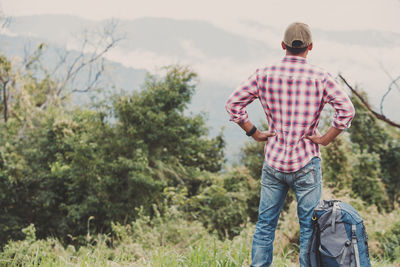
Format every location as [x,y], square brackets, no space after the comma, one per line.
[306,184]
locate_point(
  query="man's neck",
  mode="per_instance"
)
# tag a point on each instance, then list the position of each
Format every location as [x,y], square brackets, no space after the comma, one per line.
[303,55]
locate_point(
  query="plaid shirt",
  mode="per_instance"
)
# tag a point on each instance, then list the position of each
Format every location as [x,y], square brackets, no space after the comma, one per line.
[293,94]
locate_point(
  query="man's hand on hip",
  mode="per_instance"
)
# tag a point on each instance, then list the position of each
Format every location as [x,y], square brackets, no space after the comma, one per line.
[261,136]
[316,138]
[326,138]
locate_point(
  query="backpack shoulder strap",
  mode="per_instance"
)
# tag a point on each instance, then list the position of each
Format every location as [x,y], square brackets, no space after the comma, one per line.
[354,241]
[333,216]
[314,255]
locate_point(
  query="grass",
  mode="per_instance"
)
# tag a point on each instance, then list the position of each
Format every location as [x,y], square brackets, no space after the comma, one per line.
[174,241]
[203,254]
[208,252]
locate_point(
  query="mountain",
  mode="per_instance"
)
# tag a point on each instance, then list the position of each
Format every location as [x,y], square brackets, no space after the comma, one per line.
[160,35]
[222,57]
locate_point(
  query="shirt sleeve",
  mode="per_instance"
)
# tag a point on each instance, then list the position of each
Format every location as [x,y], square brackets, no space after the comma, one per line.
[241,97]
[340,101]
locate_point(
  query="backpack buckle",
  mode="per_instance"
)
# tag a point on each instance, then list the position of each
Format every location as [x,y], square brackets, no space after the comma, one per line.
[353,233]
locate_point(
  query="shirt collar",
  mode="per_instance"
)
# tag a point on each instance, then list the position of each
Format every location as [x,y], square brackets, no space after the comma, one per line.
[294,59]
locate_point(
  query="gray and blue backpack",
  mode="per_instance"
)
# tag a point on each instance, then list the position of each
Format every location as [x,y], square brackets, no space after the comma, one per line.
[339,237]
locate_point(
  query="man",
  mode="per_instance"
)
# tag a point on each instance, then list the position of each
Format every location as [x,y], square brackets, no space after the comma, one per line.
[293,94]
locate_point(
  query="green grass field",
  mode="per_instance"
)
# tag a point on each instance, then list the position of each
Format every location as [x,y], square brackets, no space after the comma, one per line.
[170,240]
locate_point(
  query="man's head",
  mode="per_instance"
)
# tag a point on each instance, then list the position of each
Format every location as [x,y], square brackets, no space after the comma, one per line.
[297,39]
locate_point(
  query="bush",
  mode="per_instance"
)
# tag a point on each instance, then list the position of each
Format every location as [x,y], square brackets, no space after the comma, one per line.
[73,164]
[366,181]
[390,243]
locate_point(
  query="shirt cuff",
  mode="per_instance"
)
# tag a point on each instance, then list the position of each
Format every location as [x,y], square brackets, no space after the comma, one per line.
[341,125]
[239,120]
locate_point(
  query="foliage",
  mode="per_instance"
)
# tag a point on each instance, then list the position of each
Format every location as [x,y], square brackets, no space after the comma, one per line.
[222,205]
[252,157]
[61,166]
[370,136]
[168,239]
[155,117]
[390,242]
[336,164]
[366,182]
[366,130]
[145,242]
[389,160]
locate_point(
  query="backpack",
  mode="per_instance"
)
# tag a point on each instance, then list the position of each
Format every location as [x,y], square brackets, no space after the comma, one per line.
[339,237]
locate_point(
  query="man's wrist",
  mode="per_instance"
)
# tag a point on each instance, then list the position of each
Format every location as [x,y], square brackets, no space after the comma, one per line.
[252,131]
[324,140]
[255,135]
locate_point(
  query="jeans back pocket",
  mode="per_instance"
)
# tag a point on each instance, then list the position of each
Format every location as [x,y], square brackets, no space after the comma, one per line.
[306,176]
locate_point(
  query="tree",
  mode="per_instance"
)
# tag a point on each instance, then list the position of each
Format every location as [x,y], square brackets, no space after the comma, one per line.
[364,101]
[374,139]
[366,182]
[155,116]
[366,131]
[73,164]
[390,167]
[70,65]
[337,158]
[6,77]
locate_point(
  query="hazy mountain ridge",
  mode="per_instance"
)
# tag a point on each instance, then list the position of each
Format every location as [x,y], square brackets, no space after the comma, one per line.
[350,37]
[145,33]
[222,58]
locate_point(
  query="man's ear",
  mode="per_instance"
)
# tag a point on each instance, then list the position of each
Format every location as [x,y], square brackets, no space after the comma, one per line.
[310,47]
[283,45]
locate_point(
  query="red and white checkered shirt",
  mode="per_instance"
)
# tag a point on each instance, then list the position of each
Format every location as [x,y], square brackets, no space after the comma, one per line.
[293,94]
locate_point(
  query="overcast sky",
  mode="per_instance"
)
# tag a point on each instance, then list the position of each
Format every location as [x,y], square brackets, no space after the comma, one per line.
[337,14]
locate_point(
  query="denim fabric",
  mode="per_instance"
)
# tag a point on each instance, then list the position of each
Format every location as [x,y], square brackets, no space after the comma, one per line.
[306,184]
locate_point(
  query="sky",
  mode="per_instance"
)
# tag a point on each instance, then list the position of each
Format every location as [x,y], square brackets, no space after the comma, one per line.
[336,15]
